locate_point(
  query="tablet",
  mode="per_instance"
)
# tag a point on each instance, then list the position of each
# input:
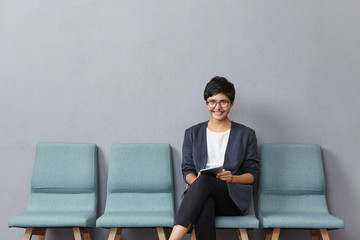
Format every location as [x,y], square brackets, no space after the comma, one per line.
[211,171]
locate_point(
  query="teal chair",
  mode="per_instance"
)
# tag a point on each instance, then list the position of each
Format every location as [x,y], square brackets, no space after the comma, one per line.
[240,223]
[292,190]
[140,189]
[63,190]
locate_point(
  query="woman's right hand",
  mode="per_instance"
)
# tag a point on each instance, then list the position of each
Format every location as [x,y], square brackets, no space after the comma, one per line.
[191,177]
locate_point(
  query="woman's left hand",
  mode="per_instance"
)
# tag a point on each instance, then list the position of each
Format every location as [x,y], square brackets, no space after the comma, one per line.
[225,176]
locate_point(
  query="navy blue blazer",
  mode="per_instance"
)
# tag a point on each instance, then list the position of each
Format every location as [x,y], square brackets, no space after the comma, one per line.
[241,156]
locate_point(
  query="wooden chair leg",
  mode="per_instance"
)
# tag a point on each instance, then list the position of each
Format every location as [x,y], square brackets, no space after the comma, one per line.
[77,233]
[324,234]
[242,234]
[193,235]
[115,233]
[239,234]
[275,234]
[315,233]
[272,234]
[161,233]
[40,232]
[28,233]
[268,234]
[85,233]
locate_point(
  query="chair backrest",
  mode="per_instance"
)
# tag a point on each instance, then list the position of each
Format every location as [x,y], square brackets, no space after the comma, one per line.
[64,177]
[291,178]
[140,178]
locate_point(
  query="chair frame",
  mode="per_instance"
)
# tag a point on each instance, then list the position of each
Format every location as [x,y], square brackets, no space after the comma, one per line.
[116,232]
[79,232]
[241,233]
[274,233]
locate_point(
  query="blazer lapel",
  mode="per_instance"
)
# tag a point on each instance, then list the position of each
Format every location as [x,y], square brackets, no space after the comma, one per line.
[203,147]
[229,147]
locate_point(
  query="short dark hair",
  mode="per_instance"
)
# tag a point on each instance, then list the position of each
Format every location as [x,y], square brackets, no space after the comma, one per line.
[219,85]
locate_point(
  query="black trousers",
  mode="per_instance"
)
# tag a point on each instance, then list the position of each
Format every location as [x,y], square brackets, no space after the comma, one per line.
[206,198]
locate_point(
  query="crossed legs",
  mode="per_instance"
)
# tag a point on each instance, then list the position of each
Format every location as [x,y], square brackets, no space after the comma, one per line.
[206,198]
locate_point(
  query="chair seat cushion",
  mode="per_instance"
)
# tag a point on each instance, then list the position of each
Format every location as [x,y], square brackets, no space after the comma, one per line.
[248,221]
[54,219]
[300,220]
[136,219]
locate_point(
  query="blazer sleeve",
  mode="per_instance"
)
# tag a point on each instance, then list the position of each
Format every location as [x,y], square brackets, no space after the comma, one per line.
[251,162]
[187,165]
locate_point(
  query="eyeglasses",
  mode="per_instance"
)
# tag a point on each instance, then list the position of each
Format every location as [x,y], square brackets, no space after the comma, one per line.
[213,103]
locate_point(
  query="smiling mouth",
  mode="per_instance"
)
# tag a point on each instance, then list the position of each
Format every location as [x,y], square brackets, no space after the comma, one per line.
[218,113]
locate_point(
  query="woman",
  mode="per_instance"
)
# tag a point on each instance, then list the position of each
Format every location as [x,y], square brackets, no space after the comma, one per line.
[218,142]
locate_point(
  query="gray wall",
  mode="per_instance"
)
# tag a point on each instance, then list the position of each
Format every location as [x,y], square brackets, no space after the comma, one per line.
[134,71]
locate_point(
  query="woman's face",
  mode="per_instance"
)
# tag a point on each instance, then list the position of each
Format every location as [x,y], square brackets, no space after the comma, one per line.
[219,106]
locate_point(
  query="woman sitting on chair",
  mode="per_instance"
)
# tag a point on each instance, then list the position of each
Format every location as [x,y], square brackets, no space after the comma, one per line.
[217,142]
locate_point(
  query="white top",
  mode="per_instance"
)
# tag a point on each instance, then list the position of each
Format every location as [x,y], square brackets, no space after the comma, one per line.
[216,147]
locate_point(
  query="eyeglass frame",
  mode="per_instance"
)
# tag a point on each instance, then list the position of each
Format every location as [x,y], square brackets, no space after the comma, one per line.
[221,102]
